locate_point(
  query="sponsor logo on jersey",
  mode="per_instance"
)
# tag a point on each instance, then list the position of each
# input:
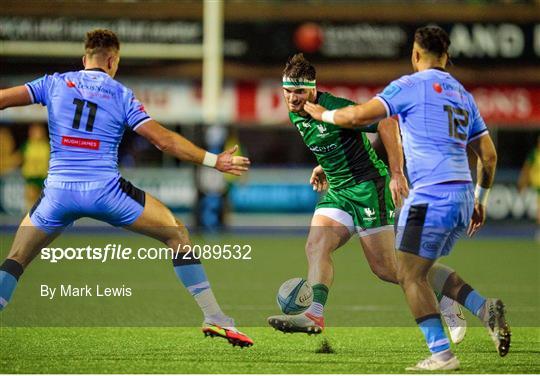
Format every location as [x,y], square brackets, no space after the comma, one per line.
[451,90]
[447,86]
[406,81]
[77,142]
[322,130]
[97,88]
[302,124]
[437,87]
[322,149]
[70,83]
[391,90]
[370,214]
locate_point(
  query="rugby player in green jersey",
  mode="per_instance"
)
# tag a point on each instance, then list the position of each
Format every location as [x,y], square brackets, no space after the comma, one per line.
[360,198]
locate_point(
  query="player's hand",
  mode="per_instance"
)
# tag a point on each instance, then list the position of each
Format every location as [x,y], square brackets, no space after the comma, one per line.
[399,189]
[230,164]
[478,219]
[318,179]
[314,110]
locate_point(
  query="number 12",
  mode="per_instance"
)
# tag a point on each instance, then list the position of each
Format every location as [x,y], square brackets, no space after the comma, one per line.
[454,122]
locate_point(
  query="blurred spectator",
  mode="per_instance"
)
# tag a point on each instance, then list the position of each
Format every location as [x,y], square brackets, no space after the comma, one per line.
[9,157]
[35,162]
[530,176]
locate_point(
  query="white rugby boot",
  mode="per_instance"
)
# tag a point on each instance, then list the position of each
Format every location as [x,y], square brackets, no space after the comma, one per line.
[455,319]
[433,364]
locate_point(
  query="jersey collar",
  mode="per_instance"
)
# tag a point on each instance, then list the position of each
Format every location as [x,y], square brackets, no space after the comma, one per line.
[95,70]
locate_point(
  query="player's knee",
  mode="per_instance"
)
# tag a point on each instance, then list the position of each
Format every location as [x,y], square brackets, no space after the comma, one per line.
[315,250]
[311,250]
[453,284]
[411,279]
[178,236]
[404,277]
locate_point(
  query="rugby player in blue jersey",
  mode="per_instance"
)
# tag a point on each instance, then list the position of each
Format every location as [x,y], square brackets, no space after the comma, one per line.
[88,114]
[439,121]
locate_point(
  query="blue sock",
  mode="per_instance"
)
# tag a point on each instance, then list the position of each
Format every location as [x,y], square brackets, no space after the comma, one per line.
[471,299]
[433,330]
[10,271]
[192,275]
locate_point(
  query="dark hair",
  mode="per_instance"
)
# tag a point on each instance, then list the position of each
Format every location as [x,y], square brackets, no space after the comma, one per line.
[433,39]
[101,41]
[299,67]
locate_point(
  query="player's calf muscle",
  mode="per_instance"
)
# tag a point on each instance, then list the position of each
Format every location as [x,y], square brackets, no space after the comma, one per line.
[453,285]
[28,242]
[380,255]
[384,273]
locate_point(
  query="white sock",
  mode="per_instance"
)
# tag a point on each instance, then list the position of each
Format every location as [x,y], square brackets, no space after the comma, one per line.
[208,304]
[443,356]
[316,309]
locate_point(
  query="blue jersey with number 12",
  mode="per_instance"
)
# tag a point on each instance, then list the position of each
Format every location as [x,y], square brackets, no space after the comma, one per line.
[88,113]
[438,118]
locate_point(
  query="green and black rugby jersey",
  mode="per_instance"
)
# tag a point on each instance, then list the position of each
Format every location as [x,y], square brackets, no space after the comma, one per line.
[346,155]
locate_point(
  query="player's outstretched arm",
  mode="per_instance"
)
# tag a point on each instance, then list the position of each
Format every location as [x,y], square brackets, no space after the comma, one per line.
[14,96]
[351,116]
[174,144]
[487,163]
[389,132]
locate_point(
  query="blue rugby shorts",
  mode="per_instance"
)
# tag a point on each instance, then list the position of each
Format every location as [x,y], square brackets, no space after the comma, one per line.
[433,218]
[115,201]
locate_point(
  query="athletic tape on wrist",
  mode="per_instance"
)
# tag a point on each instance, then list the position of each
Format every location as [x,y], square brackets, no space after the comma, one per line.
[481,195]
[210,159]
[328,116]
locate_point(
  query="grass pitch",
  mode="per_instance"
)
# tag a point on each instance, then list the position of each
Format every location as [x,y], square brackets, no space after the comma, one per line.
[156,329]
[184,350]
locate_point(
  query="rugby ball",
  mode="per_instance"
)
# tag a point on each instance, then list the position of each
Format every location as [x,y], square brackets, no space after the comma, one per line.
[294,296]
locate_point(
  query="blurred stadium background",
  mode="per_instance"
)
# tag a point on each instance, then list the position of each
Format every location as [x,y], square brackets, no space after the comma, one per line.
[357,47]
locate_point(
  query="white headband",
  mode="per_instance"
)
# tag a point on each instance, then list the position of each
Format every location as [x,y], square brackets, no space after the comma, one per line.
[298,83]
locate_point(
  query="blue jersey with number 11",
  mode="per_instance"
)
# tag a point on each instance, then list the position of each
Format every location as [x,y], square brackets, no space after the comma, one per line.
[88,113]
[438,118]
